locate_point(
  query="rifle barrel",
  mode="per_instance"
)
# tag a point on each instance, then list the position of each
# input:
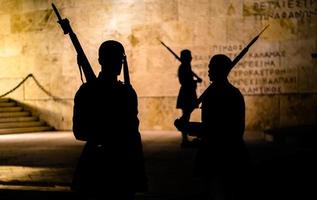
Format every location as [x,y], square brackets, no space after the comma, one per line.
[236,59]
[170,50]
[264,29]
[86,67]
[246,49]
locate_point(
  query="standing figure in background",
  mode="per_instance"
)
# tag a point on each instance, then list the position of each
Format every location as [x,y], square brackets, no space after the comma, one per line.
[111,165]
[222,156]
[187,97]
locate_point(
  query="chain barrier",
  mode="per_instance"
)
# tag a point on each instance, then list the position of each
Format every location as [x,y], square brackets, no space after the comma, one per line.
[37,83]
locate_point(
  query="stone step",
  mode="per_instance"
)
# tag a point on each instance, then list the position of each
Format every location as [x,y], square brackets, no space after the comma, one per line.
[14,119]
[21,124]
[25,129]
[4,100]
[7,104]
[14,114]
[18,119]
[11,109]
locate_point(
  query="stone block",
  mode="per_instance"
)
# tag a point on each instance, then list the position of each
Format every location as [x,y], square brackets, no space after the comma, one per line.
[56,80]
[176,33]
[157,113]
[35,5]
[60,4]
[35,43]
[217,29]
[11,6]
[8,84]
[243,30]
[11,45]
[69,65]
[262,112]
[5,27]
[34,92]
[65,87]
[32,42]
[298,109]
[148,86]
[27,64]
[137,65]
[193,10]
[11,67]
[32,21]
[291,18]
[147,35]
[261,71]
[161,11]
[298,61]
[157,69]
[226,8]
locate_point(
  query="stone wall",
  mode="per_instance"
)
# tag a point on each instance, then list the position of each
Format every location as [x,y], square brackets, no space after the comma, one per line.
[277,76]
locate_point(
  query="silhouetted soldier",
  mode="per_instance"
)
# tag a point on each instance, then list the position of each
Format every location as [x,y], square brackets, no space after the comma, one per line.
[111,165]
[222,155]
[187,97]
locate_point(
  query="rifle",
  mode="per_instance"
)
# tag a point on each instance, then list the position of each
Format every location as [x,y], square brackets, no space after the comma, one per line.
[170,50]
[84,63]
[246,49]
[236,59]
[179,59]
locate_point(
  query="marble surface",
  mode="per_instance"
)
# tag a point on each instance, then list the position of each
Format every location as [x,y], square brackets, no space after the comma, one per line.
[276,75]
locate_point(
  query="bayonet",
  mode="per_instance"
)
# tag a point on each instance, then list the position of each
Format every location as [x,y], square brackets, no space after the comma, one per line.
[246,49]
[170,50]
[57,13]
[237,59]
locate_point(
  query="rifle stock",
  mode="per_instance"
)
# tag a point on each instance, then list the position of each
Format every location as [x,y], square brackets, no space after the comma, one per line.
[84,65]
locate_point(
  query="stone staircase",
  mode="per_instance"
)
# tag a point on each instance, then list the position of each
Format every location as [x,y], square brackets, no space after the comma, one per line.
[14,118]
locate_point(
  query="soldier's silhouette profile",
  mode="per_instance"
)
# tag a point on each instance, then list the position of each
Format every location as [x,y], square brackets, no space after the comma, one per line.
[187,97]
[222,155]
[111,165]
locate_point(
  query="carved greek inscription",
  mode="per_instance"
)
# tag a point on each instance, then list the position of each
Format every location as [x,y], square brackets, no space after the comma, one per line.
[280,9]
[259,72]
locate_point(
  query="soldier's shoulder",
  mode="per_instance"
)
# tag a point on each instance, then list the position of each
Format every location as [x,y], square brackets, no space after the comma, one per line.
[128,91]
[236,92]
[90,84]
[86,88]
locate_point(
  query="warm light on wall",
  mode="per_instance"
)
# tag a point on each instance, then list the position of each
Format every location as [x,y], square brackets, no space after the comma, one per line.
[278,64]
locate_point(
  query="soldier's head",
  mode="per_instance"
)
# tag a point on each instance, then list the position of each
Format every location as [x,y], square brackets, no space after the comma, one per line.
[219,67]
[186,56]
[111,57]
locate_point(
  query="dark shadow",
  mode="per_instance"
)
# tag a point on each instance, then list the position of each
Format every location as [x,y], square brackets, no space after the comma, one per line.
[111,165]
[222,157]
[282,170]
[187,97]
